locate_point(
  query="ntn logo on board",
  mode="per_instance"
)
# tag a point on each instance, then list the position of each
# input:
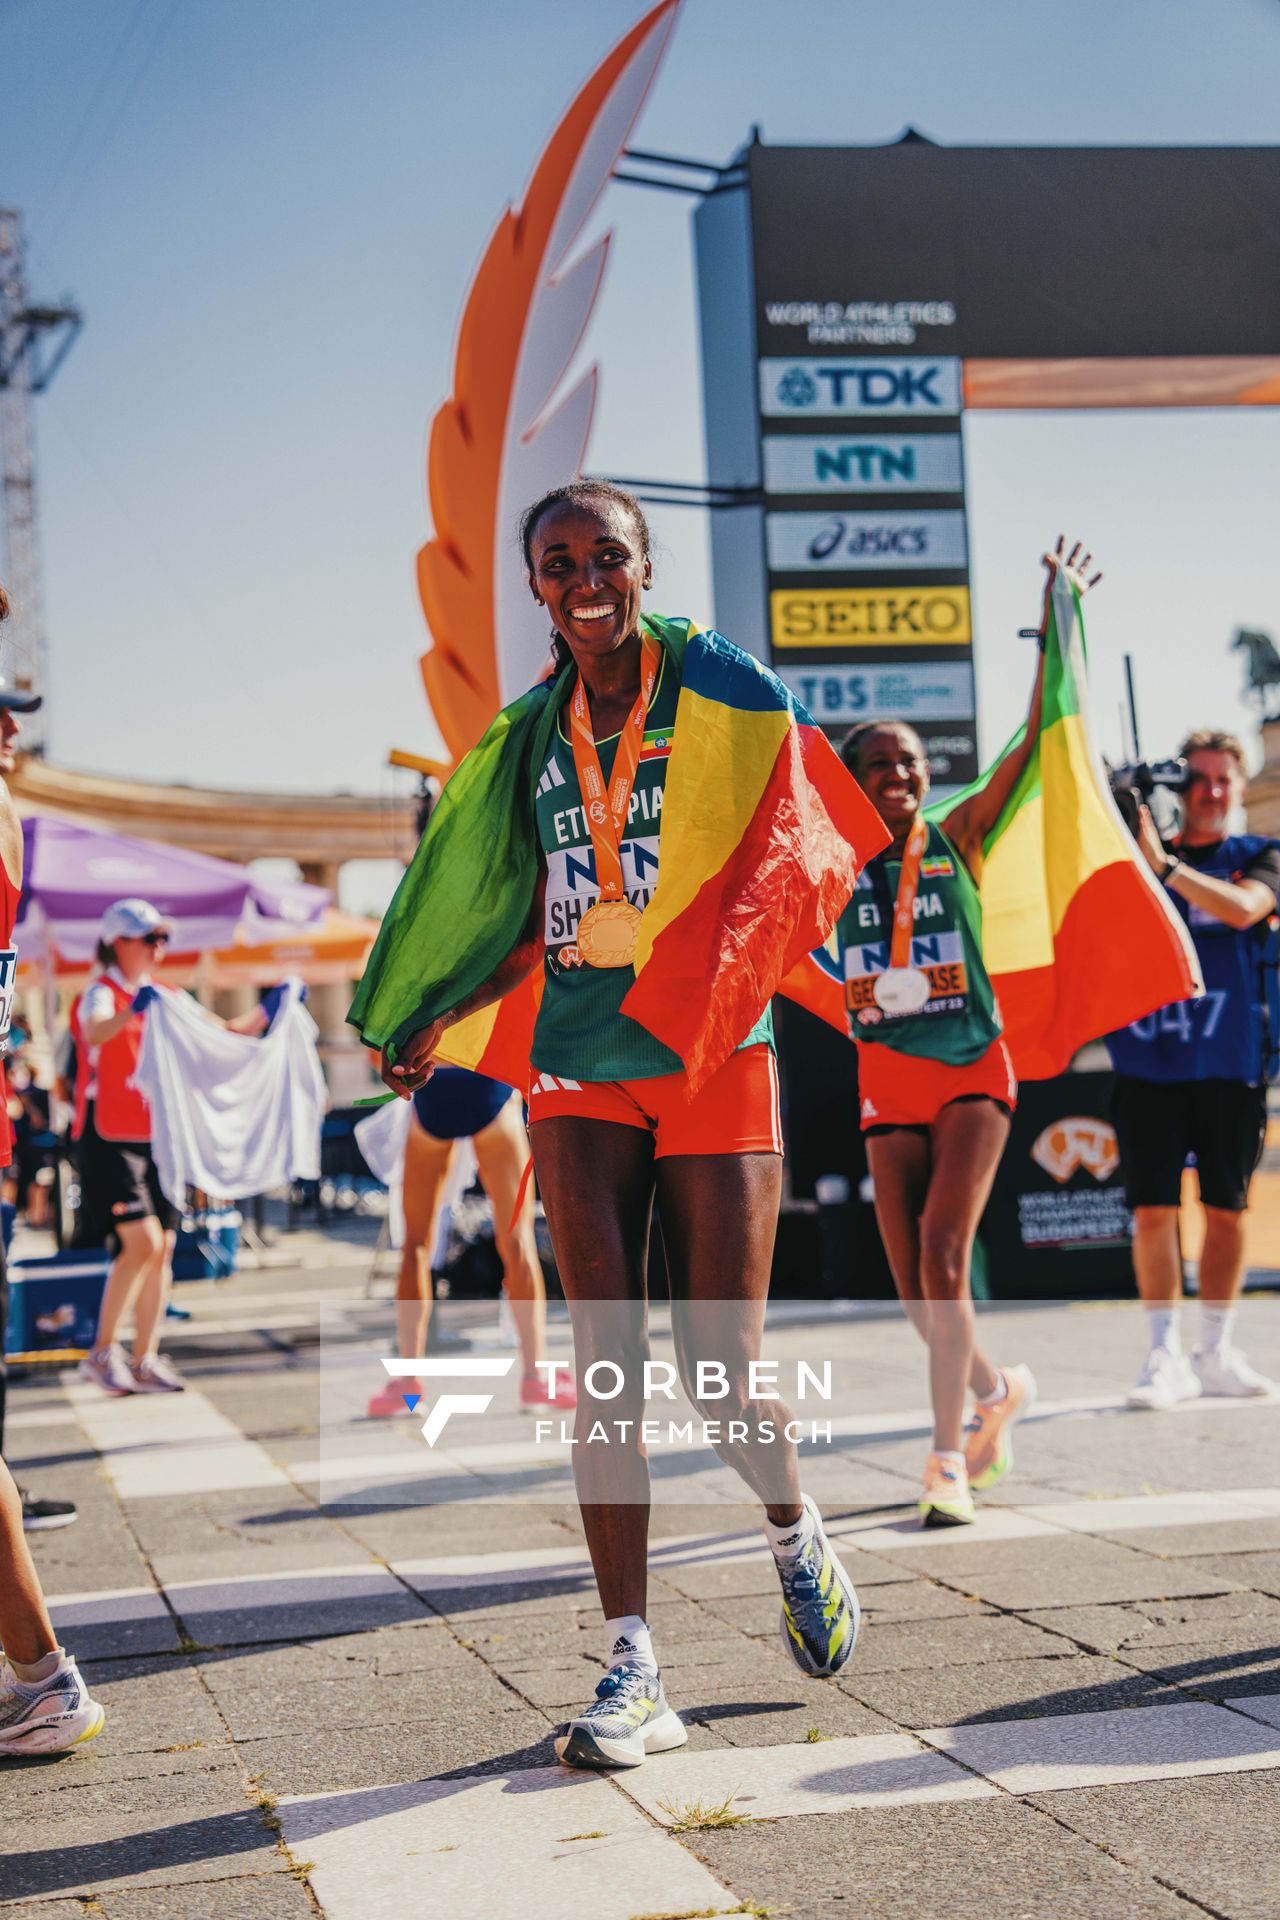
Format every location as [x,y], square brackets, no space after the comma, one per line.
[942,689]
[836,386]
[901,616]
[797,542]
[928,463]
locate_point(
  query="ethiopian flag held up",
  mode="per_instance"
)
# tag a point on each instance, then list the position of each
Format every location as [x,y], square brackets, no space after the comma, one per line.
[1078,935]
[763,835]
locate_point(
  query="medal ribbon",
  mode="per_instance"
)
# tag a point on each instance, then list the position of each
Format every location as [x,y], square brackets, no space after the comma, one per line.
[904,912]
[607,815]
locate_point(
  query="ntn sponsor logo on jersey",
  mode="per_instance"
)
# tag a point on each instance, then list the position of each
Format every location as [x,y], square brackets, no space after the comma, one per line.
[845,388]
[801,542]
[804,463]
[898,616]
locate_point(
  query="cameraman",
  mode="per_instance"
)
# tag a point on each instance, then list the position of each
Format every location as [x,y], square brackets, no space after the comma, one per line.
[1192,1079]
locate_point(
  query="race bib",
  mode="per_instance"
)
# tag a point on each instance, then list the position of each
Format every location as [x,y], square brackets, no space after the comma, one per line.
[8,981]
[572,890]
[940,979]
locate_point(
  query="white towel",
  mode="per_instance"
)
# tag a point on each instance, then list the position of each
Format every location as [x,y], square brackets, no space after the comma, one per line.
[231,1114]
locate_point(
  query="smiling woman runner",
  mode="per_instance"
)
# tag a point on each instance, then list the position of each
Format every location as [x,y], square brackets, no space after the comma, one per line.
[579,777]
[935,1079]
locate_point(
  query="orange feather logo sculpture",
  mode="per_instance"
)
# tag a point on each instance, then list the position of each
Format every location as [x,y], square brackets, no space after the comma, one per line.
[503,437]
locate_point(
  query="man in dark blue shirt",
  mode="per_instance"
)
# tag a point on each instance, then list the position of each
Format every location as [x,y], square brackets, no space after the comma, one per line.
[1191,1079]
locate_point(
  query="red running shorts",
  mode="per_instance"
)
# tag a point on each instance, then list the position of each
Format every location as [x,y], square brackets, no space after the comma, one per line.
[737,1110]
[903,1090]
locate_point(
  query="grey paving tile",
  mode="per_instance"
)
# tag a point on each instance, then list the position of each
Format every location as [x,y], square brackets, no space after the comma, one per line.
[1235,1619]
[1260,1533]
[1259,1571]
[754,1716]
[918,1600]
[1021,1574]
[1169,1741]
[292,1606]
[965,1642]
[263,1896]
[304,1688]
[1212,1669]
[452,1741]
[1216,1839]
[164,1833]
[69,1781]
[905,1863]
[239,1553]
[153,1706]
[1014,1690]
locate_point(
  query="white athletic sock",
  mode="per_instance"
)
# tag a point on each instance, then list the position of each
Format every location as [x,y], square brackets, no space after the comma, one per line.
[1164,1326]
[788,1543]
[628,1639]
[32,1672]
[950,1459]
[1215,1326]
[1001,1392]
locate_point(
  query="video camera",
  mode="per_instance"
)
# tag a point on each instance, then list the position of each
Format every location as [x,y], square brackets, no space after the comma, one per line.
[1155,784]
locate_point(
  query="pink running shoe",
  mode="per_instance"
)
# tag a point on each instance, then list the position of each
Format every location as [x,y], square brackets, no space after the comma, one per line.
[534,1393]
[389,1400]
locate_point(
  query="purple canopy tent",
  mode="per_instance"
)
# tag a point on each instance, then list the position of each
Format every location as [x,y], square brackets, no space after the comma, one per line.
[73,873]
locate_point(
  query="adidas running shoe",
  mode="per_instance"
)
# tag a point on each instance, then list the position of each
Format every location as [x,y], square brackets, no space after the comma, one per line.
[988,1433]
[820,1611]
[628,1720]
[946,1500]
[46,1716]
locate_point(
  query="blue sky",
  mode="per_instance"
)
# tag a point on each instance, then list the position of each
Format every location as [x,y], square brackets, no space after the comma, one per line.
[269,211]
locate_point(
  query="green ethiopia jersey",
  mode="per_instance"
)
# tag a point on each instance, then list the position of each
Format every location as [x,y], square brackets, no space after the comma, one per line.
[960,1019]
[582,1032]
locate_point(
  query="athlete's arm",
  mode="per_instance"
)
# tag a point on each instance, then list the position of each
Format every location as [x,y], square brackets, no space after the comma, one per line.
[969,824]
[415,1058]
[1237,903]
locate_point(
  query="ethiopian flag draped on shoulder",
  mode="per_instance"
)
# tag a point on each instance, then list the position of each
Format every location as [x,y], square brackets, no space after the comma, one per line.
[1078,935]
[763,835]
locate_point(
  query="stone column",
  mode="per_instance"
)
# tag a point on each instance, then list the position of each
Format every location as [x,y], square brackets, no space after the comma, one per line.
[345,1065]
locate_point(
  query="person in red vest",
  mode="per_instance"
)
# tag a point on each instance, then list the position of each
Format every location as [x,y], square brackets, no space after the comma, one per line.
[119,1182]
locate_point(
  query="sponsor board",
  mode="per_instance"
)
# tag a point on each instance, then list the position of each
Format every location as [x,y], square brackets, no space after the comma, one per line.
[856,323]
[924,387]
[901,616]
[836,695]
[952,753]
[807,463]
[841,542]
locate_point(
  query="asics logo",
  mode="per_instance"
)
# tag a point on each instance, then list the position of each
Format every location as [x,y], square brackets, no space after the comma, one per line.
[450,1403]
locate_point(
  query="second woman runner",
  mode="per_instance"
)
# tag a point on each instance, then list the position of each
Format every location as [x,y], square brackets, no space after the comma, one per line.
[936,1083]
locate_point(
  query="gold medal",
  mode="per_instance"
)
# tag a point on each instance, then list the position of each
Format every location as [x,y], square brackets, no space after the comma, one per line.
[608,932]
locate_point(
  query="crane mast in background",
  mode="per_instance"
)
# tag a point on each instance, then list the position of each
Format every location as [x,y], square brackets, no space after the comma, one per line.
[34,341]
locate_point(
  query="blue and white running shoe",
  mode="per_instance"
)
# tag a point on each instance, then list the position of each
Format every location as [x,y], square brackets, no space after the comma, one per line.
[46,1716]
[628,1720]
[820,1611]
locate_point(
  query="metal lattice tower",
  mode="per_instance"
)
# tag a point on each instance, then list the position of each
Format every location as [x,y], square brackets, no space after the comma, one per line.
[34,341]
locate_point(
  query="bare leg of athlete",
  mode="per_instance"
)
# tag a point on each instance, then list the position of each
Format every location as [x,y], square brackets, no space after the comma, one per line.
[426,1168]
[502,1153]
[719,1221]
[141,1246]
[597,1183]
[930,1195]
[153,1296]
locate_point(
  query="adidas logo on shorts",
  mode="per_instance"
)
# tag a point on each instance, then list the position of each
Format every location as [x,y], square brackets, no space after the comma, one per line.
[869,1109]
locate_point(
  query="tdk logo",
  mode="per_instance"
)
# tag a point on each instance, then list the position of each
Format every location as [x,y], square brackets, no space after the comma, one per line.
[860,386]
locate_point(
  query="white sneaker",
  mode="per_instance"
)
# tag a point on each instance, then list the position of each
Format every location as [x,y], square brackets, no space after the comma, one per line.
[1165,1380]
[155,1374]
[46,1716]
[108,1369]
[1228,1373]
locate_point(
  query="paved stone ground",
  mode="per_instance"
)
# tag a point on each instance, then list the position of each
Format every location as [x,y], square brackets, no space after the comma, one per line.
[333,1662]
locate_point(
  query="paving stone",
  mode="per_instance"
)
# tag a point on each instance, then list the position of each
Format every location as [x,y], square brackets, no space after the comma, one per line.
[1102,1749]
[750,1717]
[233,1555]
[1212,1669]
[306,1688]
[115,1626]
[152,1706]
[1059,1572]
[918,1600]
[1259,1532]
[297,1606]
[451,1742]
[1219,1571]
[64,1780]
[1012,1690]
[1216,1838]
[168,1833]
[263,1896]
[904,1863]
[965,1642]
